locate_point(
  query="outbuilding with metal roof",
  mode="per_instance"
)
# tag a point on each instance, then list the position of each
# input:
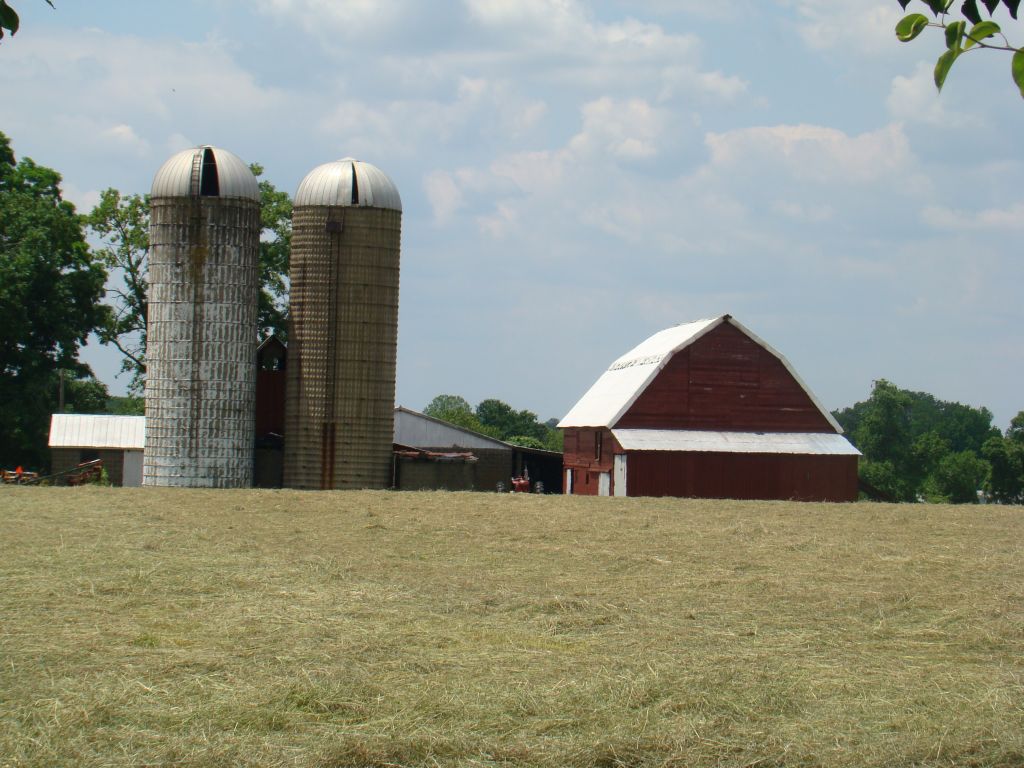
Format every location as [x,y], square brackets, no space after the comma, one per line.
[706,409]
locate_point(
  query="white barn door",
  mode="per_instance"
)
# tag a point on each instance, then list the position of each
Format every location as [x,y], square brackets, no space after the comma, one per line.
[604,484]
[131,469]
[620,474]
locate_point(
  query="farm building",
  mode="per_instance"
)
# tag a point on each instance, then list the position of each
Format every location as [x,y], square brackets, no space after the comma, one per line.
[117,440]
[440,451]
[706,409]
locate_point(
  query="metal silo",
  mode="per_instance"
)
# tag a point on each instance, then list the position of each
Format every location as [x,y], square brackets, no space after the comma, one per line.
[339,407]
[201,330]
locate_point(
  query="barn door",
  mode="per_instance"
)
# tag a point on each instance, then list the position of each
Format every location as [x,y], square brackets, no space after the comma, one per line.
[620,474]
[568,482]
[604,484]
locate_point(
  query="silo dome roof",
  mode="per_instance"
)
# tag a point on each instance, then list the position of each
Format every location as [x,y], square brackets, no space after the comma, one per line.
[205,171]
[348,182]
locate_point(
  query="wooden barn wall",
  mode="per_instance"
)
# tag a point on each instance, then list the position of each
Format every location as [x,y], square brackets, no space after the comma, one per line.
[742,476]
[64,459]
[725,381]
[269,403]
[580,454]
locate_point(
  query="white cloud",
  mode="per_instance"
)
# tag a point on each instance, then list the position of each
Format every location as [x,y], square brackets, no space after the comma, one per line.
[349,18]
[814,153]
[444,195]
[625,129]
[1007,219]
[915,99]
[866,27]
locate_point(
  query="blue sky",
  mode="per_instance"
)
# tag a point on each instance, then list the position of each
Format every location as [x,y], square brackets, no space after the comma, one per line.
[578,175]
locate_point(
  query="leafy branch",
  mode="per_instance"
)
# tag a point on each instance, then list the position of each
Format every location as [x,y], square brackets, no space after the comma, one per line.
[983,33]
[9,19]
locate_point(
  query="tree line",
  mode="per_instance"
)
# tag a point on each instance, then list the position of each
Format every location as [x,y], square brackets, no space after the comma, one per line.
[497,419]
[919,448]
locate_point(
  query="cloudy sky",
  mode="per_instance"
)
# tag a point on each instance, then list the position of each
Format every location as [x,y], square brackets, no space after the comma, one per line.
[578,175]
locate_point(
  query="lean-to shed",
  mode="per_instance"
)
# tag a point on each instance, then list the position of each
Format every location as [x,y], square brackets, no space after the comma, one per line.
[706,409]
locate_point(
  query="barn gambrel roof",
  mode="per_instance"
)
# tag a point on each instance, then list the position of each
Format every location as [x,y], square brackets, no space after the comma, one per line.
[618,388]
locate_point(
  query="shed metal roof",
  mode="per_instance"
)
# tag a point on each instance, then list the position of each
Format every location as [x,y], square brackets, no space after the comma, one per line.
[704,441]
[418,430]
[348,182]
[626,379]
[76,430]
[176,178]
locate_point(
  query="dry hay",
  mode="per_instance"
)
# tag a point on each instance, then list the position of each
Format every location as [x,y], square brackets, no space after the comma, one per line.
[173,627]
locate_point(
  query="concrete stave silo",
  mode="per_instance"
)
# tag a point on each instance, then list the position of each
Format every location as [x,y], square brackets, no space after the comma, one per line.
[201,327]
[343,336]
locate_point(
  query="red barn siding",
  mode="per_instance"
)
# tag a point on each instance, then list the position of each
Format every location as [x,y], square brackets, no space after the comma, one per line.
[742,476]
[725,381]
[579,453]
[269,402]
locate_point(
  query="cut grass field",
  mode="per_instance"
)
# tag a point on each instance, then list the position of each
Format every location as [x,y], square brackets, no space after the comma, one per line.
[279,628]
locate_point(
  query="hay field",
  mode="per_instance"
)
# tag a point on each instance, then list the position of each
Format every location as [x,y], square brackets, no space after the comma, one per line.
[278,628]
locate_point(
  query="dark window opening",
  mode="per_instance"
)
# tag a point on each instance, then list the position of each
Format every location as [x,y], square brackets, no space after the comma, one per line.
[598,439]
[355,186]
[209,185]
[87,455]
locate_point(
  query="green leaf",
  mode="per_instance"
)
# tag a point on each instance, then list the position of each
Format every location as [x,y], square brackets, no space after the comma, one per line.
[8,18]
[911,26]
[943,65]
[1018,70]
[938,6]
[955,34]
[980,32]
[970,11]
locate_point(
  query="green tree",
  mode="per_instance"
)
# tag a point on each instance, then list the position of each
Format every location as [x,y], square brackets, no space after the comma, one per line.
[84,394]
[121,222]
[50,291]
[455,410]
[505,421]
[956,479]
[275,250]
[1015,431]
[963,32]
[912,442]
[9,19]
[1005,455]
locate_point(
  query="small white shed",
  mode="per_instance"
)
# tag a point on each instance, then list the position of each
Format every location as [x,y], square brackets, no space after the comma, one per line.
[118,440]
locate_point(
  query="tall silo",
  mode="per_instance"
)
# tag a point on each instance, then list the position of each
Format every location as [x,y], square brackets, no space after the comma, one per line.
[201,330]
[343,337]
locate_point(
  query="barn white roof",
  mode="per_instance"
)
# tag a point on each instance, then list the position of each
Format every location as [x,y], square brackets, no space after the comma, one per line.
[627,378]
[348,182]
[76,430]
[703,441]
[234,179]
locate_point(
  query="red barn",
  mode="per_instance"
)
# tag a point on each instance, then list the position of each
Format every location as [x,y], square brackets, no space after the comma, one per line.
[706,409]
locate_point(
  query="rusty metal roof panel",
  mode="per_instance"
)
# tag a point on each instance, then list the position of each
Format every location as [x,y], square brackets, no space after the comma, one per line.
[75,430]
[348,182]
[702,441]
[176,177]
